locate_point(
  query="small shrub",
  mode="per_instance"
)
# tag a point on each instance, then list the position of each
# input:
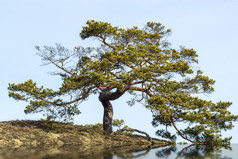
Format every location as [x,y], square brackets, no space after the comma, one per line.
[57,127]
[118,123]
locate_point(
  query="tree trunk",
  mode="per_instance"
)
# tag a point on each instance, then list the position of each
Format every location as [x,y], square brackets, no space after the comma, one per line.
[105,98]
[107,116]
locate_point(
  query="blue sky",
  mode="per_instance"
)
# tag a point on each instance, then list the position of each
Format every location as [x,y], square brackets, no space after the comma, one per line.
[210,27]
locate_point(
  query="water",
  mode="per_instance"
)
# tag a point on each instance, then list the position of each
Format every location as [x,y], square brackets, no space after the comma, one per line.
[191,152]
[99,152]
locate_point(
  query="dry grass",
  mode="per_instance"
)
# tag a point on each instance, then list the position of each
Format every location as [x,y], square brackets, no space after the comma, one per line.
[18,133]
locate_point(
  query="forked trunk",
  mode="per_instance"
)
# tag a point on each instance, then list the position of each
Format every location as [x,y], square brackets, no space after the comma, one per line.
[107,117]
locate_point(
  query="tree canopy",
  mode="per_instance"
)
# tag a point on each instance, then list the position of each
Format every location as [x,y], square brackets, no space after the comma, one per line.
[137,61]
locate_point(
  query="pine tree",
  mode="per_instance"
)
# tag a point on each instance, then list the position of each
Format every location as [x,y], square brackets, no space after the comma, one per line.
[140,62]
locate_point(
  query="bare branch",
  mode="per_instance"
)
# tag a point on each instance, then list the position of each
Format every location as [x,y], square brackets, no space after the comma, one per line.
[60,67]
[135,130]
[104,41]
[75,100]
[138,82]
[142,90]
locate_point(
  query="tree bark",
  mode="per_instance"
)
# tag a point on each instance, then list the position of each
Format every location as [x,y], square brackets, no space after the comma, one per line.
[105,98]
[108,115]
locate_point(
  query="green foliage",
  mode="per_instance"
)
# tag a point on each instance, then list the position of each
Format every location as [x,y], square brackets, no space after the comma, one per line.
[57,127]
[118,123]
[166,134]
[98,125]
[138,61]
[93,127]
[126,127]
[39,101]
